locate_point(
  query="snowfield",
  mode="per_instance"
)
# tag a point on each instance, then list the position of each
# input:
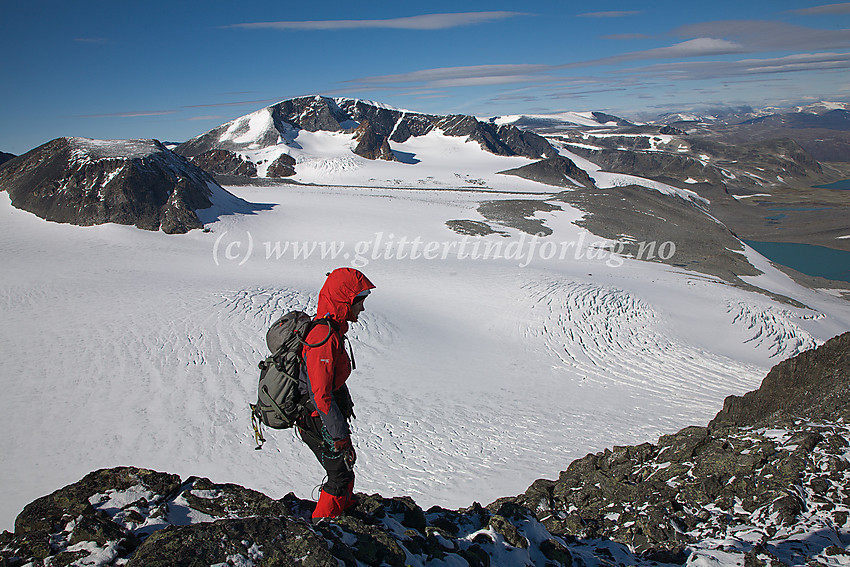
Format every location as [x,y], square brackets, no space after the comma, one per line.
[475,375]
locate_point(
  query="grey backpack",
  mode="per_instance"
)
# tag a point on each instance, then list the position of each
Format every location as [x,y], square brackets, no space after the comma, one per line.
[279,402]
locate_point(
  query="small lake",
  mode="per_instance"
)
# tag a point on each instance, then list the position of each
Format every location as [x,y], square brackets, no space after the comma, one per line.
[843,184]
[806,258]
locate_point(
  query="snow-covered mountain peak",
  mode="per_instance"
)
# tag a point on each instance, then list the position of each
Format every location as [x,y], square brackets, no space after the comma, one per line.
[561,120]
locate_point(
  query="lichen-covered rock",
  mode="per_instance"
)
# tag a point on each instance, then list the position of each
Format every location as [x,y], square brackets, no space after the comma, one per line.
[812,385]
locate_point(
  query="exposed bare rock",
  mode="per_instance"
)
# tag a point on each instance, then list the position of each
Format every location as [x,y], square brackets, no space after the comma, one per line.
[558,171]
[283,166]
[372,145]
[223,162]
[88,182]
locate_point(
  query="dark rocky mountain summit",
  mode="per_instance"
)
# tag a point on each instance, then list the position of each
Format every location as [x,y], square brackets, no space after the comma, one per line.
[4,157]
[88,182]
[764,484]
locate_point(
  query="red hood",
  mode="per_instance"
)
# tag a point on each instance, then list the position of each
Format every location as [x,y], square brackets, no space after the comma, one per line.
[340,289]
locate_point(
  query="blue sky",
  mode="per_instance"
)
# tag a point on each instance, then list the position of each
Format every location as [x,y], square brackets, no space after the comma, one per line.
[173,70]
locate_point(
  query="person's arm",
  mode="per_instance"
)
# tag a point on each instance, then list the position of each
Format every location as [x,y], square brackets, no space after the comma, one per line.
[320,362]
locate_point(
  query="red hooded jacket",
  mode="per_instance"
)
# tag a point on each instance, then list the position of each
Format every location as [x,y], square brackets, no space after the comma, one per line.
[327,367]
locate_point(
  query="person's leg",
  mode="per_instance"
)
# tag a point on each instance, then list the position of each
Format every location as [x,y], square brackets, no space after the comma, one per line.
[337,492]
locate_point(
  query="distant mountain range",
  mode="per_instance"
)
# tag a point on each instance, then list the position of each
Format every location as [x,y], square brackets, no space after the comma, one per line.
[744,162]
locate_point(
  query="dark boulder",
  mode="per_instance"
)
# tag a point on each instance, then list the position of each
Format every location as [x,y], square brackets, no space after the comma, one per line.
[266,540]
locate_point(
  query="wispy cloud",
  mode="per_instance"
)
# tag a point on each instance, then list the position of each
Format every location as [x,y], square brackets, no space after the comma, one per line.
[762,35]
[707,39]
[699,47]
[136,114]
[842,8]
[236,103]
[95,40]
[611,14]
[423,22]
[701,70]
[459,76]
[480,75]
[625,36]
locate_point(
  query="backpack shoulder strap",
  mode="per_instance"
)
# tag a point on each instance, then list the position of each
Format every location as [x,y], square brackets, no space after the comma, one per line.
[332,328]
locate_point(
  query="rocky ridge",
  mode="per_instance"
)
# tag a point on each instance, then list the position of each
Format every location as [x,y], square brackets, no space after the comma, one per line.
[557,170]
[764,484]
[88,182]
[373,128]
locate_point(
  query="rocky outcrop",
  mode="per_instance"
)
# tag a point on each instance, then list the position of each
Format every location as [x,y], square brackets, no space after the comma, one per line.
[88,182]
[604,118]
[4,157]
[782,473]
[558,171]
[372,145]
[769,492]
[657,165]
[283,166]
[223,162]
[812,386]
[144,518]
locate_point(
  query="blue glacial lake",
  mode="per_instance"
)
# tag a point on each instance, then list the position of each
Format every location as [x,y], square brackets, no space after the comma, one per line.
[843,184]
[806,258]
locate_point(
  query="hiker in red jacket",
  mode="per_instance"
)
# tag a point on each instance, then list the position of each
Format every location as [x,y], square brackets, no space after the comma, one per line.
[324,425]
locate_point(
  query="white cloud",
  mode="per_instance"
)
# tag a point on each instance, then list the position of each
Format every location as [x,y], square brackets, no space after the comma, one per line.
[612,14]
[701,70]
[445,75]
[698,47]
[760,35]
[137,114]
[423,22]
[842,8]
